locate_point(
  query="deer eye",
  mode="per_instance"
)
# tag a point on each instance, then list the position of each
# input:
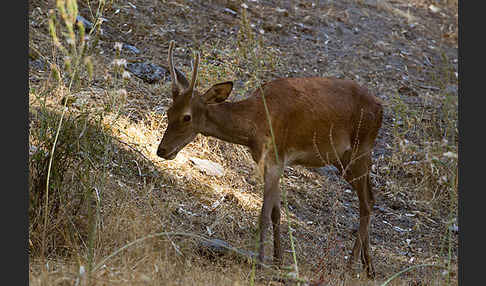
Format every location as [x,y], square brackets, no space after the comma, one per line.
[186,118]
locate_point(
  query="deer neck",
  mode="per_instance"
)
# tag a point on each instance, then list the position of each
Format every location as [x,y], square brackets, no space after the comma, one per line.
[231,122]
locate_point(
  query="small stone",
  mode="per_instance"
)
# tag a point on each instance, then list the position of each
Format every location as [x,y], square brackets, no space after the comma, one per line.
[148,72]
[208,167]
[282,11]
[214,247]
[434,9]
[131,48]
[37,64]
[229,11]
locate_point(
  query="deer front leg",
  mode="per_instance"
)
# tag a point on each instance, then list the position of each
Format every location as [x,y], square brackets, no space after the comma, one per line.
[271,211]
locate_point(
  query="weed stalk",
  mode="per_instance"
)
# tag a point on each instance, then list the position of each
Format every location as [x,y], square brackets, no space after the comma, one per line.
[257,67]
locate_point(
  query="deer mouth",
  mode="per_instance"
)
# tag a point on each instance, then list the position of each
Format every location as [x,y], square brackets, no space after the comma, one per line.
[171,155]
[170,151]
[162,152]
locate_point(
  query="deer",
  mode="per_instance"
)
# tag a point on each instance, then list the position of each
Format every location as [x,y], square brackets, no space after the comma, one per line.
[315,121]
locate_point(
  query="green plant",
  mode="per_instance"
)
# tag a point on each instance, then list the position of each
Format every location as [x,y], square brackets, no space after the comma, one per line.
[73,46]
[70,144]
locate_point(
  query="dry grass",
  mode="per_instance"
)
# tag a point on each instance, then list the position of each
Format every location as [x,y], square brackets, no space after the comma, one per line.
[108,188]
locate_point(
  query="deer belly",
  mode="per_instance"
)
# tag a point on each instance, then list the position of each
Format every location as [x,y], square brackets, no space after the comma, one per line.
[305,158]
[316,155]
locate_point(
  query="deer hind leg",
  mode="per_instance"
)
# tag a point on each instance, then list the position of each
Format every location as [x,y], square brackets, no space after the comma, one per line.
[358,176]
[277,250]
[271,211]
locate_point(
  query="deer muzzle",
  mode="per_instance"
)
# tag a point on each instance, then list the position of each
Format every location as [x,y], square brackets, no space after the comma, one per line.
[163,152]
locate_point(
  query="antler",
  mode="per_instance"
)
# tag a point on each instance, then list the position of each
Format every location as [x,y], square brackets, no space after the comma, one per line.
[179,81]
[171,66]
[194,72]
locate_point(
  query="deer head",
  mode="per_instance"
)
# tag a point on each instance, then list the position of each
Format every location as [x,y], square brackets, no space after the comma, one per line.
[186,115]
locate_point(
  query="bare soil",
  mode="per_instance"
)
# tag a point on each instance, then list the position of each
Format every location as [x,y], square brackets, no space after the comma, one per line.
[395,48]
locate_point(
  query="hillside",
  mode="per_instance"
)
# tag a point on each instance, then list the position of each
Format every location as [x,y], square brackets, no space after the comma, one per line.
[108,188]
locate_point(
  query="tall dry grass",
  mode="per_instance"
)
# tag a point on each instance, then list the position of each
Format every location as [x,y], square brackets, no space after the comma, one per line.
[98,194]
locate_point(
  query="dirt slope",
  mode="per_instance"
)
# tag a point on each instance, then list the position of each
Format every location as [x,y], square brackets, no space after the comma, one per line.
[404,51]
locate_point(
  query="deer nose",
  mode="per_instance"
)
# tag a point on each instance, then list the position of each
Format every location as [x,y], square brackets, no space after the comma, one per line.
[161,152]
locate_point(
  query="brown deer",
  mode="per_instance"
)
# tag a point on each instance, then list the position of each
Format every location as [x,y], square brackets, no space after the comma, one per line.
[316,121]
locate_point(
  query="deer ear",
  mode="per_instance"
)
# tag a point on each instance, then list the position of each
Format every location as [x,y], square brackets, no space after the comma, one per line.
[218,93]
[181,80]
[179,84]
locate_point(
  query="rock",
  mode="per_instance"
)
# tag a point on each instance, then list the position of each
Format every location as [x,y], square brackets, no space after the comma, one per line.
[329,171]
[434,9]
[399,229]
[216,248]
[230,11]
[282,11]
[131,48]
[308,20]
[208,167]
[148,72]
[37,64]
